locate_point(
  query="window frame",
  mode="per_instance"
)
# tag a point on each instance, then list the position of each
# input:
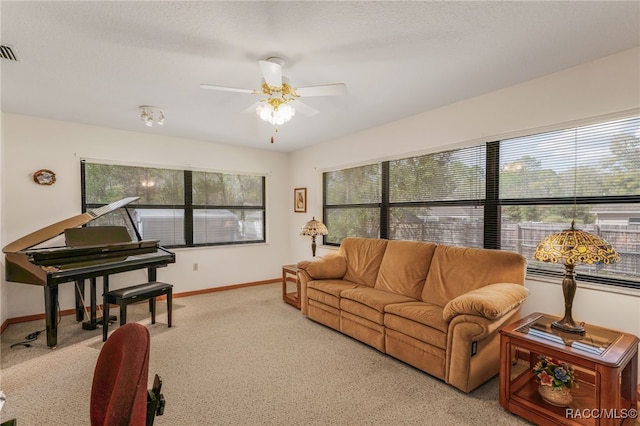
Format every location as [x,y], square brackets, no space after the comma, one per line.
[492,205]
[188,207]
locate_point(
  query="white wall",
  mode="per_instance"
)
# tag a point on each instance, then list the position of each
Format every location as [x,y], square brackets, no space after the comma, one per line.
[606,88]
[32,143]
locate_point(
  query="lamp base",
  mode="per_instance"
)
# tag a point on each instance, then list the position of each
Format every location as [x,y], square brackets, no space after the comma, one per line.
[568,326]
[569,286]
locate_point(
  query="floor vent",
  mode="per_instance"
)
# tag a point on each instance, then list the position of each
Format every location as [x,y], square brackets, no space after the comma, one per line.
[7,52]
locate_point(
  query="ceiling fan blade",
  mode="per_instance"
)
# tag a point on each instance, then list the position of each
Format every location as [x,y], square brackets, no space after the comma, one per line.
[226,89]
[304,109]
[337,89]
[251,108]
[272,73]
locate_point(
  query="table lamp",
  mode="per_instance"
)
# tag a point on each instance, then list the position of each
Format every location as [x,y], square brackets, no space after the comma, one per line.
[570,247]
[314,227]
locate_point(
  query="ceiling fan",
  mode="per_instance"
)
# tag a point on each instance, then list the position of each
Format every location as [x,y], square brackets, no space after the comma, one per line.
[281,99]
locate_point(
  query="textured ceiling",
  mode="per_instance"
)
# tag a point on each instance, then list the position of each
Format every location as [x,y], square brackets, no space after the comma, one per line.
[96,62]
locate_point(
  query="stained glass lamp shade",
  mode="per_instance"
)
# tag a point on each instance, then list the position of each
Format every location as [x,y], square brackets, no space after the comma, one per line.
[312,228]
[570,247]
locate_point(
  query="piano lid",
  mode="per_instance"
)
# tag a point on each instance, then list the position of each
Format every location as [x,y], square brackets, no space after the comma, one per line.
[58,228]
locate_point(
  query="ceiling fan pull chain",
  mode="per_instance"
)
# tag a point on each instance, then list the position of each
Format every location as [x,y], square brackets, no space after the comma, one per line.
[273,136]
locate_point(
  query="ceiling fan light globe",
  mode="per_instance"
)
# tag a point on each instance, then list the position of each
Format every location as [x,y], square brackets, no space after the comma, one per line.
[264,111]
[286,110]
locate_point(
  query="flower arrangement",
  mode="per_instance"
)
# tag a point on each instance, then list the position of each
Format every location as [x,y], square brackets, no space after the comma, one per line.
[551,372]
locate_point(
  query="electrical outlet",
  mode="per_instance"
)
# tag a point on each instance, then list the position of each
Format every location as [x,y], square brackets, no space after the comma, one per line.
[195,266]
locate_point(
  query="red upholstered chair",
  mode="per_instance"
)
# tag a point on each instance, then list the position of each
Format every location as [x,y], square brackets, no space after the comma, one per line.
[119,390]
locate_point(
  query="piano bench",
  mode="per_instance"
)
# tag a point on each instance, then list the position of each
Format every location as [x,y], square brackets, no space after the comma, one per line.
[127,295]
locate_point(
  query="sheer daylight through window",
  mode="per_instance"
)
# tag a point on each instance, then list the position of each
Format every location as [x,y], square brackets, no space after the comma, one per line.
[590,175]
[507,194]
[182,207]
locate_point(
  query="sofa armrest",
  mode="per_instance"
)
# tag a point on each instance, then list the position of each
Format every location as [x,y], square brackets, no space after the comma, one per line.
[491,302]
[331,266]
[473,349]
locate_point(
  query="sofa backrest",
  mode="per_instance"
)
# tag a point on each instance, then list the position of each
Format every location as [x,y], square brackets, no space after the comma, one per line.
[458,270]
[364,256]
[404,267]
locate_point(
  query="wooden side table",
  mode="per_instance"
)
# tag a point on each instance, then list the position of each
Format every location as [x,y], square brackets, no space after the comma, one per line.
[606,370]
[290,274]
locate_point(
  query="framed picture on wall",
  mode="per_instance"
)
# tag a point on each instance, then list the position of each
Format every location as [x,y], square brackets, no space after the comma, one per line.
[300,200]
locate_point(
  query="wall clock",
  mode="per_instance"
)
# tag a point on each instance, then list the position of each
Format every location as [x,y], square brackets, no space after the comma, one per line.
[44,177]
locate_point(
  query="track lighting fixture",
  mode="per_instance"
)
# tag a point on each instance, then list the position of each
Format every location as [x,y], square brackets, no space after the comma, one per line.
[148,113]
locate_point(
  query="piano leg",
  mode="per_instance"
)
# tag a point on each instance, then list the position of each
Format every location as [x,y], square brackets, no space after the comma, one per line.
[105,308]
[93,302]
[79,300]
[51,314]
[152,274]
[92,323]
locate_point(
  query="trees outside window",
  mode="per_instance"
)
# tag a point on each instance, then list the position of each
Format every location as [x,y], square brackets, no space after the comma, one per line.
[507,194]
[182,207]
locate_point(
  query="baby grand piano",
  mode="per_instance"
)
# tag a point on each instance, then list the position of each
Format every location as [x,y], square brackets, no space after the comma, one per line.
[89,252]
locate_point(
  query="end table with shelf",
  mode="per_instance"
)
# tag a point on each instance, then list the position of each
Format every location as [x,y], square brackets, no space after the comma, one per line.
[290,275]
[606,369]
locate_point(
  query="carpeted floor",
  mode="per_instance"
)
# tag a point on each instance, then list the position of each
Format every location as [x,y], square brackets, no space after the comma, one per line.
[240,357]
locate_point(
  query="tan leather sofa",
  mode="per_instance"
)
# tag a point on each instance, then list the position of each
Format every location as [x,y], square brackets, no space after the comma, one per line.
[435,307]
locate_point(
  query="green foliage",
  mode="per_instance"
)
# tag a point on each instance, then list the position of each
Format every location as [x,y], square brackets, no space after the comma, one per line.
[614,174]
[606,168]
[353,222]
[221,189]
[107,183]
[451,175]
[357,185]
[526,178]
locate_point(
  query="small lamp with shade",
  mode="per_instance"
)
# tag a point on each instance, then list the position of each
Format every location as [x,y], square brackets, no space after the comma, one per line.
[312,228]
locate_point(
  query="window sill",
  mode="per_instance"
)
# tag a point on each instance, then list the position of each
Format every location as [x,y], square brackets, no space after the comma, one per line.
[532,276]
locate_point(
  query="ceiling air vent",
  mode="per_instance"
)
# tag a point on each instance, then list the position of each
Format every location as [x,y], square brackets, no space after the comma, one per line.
[7,52]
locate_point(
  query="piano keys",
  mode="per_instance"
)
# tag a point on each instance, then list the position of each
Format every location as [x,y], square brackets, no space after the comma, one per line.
[90,251]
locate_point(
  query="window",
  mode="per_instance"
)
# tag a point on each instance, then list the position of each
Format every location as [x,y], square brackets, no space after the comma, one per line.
[182,207]
[506,194]
[352,202]
[435,197]
[588,174]
[438,197]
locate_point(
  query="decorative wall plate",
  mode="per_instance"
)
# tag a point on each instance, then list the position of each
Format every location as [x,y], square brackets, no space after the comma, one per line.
[44,177]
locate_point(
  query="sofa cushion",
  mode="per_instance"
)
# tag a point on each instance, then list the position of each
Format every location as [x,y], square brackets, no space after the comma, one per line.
[490,302]
[328,291]
[363,259]
[369,332]
[369,303]
[420,320]
[324,314]
[404,267]
[458,270]
[416,352]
